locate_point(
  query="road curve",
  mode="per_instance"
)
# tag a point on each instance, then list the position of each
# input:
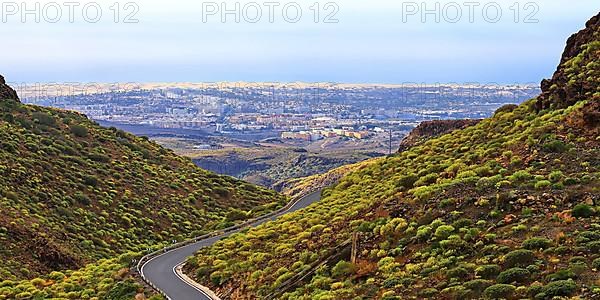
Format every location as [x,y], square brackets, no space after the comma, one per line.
[160,270]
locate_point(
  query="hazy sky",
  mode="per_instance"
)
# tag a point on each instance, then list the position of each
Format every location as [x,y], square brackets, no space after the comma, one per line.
[376,41]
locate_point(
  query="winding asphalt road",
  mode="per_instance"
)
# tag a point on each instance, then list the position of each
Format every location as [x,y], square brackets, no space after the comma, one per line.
[160,270]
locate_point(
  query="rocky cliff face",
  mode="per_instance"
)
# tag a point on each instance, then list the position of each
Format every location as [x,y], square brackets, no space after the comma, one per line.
[431,129]
[6,92]
[230,164]
[578,74]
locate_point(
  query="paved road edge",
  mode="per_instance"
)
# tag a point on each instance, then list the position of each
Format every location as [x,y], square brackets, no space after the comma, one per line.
[145,259]
[178,270]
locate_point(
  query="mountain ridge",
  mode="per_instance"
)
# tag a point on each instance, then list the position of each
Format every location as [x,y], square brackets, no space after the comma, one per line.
[504,209]
[72,192]
[6,92]
[578,73]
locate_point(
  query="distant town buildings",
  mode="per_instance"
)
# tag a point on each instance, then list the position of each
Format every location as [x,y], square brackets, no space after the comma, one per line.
[305,113]
[302,135]
[317,134]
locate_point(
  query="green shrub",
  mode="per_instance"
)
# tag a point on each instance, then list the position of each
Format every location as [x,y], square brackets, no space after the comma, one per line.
[577,259]
[520,228]
[502,184]
[23,296]
[222,192]
[477,285]
[560,288]
[583,211]
[536,243]
[444,231]
[518,275]
[587,236]
[561,275]
[11,195]
[459,273]
[535,289]
[579,268]
[235,214]
[423,233]
[389,296]
[217,278]
[82,199]
[556,176]
[596,264]
[429,292]
[454,292]
[593,247]
[542,184]
[98,157]
[123,291]
[203,271]
[426,180]
[533,269]
[342,269]
[391,282]
[461,223]
[57,276]
[571,181]
[505,109]
[521,176]
[555,146]
[283,278]
[519,258]
[90,180]
[499,291]
[487,271]
[407,182]
[44,118]
[79,131]
[467,174]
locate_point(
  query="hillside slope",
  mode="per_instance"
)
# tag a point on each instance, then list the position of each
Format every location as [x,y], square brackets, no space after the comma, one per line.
[505,209]
[430,129]
[272,167]
[578,75]
[72,192]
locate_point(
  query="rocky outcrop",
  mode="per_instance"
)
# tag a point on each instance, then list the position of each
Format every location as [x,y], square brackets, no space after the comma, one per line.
[430,129]
[230,164]
[578,75]
[6,92]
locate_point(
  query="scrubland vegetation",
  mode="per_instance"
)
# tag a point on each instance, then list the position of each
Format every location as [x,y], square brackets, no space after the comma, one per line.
[105,279]
[73,193]
[506,209]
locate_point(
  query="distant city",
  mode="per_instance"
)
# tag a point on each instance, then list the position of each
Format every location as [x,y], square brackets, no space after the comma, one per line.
[295,111]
